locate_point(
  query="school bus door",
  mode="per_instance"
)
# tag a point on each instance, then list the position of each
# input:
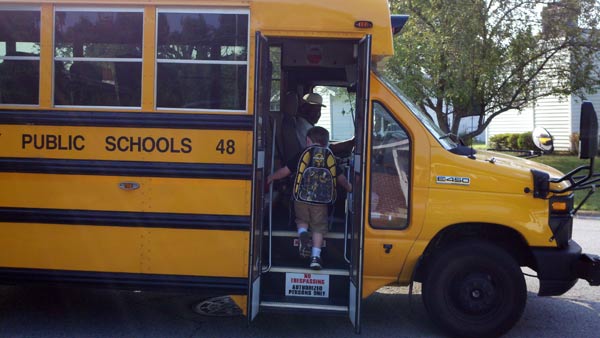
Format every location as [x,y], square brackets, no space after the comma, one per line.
[262,158]
[356,205]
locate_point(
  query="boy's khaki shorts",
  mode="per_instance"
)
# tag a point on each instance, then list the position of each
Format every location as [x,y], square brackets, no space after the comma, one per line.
[313,215]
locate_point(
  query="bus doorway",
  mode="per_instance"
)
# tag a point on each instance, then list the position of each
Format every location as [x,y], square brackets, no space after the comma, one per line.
[289,69]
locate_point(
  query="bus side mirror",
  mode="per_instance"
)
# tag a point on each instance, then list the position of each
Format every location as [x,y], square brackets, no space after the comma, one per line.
[588,131]
[543,139]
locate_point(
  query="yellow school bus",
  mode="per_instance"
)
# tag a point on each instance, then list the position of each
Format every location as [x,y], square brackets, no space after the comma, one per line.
[137,136]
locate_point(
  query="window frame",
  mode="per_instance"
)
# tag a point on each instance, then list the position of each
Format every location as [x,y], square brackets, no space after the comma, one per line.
[410,168]
[196,10]
[24,8]
[67,8]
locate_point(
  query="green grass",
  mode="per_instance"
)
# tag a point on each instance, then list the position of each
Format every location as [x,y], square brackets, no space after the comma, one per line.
[566,163]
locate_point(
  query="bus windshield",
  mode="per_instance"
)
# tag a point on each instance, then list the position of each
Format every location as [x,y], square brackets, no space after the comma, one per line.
[443,138]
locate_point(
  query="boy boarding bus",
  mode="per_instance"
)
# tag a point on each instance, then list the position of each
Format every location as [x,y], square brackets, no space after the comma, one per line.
[137,137]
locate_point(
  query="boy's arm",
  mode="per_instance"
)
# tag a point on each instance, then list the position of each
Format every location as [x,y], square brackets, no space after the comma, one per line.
[279,174]
[343,181]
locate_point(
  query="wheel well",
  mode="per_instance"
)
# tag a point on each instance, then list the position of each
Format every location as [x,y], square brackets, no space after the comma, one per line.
[508,239]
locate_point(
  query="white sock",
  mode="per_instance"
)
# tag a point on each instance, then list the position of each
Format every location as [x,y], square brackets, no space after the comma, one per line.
[316,252]
[301,230]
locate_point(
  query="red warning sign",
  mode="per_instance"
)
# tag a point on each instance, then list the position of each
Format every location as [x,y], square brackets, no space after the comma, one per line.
[306,285]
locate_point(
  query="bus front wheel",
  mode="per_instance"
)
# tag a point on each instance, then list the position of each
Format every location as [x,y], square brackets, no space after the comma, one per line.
[474,289]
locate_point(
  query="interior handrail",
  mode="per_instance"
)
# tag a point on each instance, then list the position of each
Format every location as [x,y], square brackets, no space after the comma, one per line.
[347,213]
[268,267]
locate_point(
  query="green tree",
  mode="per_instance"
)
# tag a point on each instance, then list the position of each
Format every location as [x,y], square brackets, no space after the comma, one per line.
[483,57]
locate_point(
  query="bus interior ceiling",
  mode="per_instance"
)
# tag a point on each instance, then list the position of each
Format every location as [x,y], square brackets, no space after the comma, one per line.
[305,64]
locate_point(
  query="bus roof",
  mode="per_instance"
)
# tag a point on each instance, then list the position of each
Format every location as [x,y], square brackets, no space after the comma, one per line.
[327,18]
[307,18]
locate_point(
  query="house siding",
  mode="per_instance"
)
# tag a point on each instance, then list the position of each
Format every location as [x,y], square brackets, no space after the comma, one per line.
[325,120]
[554,114]
[512,121]
[560,116]
[342,127]
[576,109]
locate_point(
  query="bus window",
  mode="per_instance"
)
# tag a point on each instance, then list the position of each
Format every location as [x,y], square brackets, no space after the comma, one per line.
[390,170]
[19,55]
[275,56]
[202,60]
[98,57]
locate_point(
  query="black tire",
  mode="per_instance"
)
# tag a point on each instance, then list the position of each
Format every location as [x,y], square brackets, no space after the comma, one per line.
[474,289]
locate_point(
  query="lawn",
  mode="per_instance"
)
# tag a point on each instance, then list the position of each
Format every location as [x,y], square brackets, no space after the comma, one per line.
[567,163]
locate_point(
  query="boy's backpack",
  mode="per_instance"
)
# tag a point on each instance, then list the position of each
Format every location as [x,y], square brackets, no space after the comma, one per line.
[315,179]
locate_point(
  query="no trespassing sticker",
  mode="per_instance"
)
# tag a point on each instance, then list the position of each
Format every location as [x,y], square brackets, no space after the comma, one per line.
[306,285]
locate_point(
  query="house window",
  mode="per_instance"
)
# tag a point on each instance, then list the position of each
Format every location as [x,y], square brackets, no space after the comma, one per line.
[390,171]
[19,55]
[98,57]
[202,60]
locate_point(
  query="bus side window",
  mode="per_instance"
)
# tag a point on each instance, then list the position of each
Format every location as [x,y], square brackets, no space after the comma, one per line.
[202,59]
[390,171]
[98,57]
[19,56]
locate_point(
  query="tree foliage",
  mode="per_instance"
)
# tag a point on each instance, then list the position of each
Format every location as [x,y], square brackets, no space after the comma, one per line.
[484,57]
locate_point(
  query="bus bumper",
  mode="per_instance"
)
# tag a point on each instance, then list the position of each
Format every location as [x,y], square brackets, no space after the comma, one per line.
[559,269]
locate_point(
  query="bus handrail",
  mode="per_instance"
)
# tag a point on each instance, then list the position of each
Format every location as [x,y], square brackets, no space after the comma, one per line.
[268,267]
[346,221]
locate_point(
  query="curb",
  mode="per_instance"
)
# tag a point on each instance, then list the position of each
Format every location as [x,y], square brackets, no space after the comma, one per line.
[588,214]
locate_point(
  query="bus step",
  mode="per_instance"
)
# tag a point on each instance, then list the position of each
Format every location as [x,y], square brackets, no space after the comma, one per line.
[285,251]
[327,286]
[294,234]
[303,307]
[330,272]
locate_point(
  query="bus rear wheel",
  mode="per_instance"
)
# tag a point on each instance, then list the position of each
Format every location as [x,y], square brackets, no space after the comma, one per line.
[474,289]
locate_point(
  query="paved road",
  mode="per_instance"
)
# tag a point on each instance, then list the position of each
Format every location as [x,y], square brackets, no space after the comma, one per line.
[45,312]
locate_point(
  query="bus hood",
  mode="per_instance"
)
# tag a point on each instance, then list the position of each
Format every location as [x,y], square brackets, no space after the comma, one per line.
[488,172]
[517,164]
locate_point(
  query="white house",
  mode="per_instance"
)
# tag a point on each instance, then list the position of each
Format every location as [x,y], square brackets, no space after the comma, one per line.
[560,116]
[337,116]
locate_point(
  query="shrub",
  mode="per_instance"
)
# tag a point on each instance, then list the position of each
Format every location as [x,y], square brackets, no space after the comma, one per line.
[499,141]
[522,141]
[513,143]
[526,142]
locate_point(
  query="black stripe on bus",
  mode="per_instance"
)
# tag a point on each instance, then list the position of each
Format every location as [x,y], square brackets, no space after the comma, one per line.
[233,285]
[125,168]
[128,120]
[125,219]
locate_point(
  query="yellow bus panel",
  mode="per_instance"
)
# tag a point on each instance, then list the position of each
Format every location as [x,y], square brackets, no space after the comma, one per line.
[127,144]
[195,252]
[70,247]
[85,192]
